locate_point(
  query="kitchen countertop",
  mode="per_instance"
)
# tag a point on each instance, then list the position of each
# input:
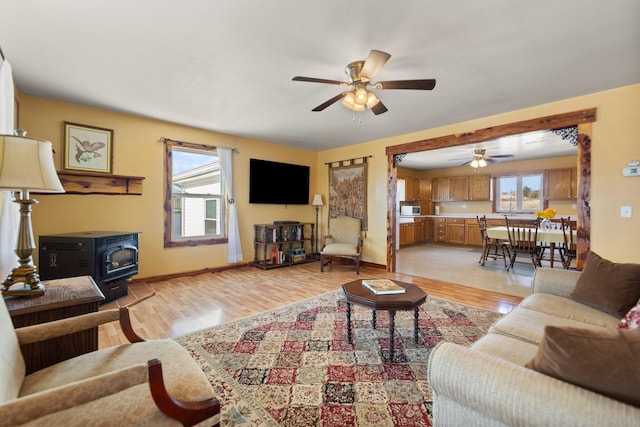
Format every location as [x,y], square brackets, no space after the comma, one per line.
[403,219]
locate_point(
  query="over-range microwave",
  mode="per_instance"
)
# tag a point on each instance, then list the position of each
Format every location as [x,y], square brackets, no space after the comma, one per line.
[409,210]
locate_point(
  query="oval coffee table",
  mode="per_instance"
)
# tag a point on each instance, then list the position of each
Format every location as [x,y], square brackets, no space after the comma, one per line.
[356,293]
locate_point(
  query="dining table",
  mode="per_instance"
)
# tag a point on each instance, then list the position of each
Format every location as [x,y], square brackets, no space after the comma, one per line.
[551,237]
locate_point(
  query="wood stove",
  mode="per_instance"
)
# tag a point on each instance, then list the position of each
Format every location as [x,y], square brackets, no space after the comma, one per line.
[109,257]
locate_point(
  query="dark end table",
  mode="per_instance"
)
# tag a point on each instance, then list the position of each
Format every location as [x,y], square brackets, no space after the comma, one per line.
[356,293]
[62,298]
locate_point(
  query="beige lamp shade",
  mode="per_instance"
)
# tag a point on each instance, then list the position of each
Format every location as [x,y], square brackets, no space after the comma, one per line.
[317,200]
[26,164]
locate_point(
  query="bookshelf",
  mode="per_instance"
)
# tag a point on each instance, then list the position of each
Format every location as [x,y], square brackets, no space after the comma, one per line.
[283,244]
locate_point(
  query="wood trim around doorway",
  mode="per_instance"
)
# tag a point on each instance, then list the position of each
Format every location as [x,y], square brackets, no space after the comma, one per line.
[582,119]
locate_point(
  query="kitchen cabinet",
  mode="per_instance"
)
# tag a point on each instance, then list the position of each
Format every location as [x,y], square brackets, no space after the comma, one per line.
[407,234]
[424,196]
[458,188]
[495,222]
[412,188]
[419,230]
[424,189]
[440,189]
[455,230]
[440,229]
[461,188]
[472,232]
[561,184]
[429,229]
[480,187]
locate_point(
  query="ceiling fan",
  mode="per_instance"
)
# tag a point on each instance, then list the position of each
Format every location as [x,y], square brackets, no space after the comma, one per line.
[360,75]
[480,159]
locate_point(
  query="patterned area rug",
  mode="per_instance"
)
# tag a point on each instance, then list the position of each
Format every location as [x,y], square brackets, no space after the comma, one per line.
[293,366]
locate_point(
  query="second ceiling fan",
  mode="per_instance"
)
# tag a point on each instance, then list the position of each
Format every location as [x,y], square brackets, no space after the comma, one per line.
[480,159]
[360,75]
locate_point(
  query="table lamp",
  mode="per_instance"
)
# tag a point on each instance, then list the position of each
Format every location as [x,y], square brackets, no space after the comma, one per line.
[26,164]
[317,202]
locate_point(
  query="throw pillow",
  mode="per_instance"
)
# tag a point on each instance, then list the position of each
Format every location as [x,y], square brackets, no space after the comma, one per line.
[606,361]
[607,286]
[631,320]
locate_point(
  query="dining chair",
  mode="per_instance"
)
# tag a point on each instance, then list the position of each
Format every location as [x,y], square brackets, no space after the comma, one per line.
[569,249]
[489,245]
[523,239]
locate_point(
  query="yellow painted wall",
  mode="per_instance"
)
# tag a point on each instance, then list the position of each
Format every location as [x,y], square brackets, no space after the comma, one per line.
[615,141]
[137,152]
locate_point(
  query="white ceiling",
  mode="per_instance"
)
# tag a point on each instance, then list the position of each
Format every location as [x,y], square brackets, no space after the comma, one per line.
[525,146]
[226,65]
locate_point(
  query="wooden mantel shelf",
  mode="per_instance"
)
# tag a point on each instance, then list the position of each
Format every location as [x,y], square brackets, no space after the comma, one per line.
[100,183]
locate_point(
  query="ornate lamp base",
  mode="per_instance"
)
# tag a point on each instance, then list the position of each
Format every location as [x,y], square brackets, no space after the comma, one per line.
[27,276]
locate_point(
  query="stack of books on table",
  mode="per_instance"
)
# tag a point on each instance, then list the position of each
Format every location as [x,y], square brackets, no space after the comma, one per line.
[383,286]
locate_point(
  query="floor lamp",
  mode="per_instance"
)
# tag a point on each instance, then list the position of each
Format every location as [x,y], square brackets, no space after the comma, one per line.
[26,164]
[317,202]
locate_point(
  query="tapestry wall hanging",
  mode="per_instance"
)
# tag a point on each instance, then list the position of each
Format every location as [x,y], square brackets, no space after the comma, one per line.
[348,190]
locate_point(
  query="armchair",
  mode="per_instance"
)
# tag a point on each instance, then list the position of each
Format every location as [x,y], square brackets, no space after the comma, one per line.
[152,382]
[343,241]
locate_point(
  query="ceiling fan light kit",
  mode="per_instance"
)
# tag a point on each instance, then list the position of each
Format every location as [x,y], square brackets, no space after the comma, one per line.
[480,159]
[478,163]
[359,76]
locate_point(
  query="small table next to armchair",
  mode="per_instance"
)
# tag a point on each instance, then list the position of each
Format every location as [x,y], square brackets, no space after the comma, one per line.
[62,298]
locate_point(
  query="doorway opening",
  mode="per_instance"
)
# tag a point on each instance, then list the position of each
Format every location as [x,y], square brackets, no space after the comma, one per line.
[582,119]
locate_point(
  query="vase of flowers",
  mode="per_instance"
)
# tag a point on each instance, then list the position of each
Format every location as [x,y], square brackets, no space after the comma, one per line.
[546,216]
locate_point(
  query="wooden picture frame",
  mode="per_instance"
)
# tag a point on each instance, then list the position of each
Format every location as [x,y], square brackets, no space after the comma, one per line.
[88,148]
[348,191]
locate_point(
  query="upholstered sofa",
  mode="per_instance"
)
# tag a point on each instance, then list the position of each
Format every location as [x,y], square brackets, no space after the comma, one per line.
[493,382]
[154,383]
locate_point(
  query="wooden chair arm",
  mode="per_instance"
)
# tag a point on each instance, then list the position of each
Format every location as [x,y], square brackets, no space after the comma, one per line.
[70,325]
[127,328]
[188,413]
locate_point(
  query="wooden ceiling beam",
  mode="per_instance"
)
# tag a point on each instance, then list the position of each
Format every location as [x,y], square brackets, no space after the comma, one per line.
[556,121]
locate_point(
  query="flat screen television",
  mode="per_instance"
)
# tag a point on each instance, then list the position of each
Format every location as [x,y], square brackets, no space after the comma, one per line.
[278,183]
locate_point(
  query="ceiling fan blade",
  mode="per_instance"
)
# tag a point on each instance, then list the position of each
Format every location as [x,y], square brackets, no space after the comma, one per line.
[379,108]
[466,163]
[375,61]
[424,84]
[316,80]
[331,101]
[499,156]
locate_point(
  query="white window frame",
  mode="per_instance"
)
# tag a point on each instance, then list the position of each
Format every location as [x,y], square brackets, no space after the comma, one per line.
[518,198]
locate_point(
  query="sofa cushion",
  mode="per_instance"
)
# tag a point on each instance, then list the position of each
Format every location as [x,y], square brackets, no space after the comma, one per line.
[506,348]
[568,309]
[611,287]
[528,325]
[606,361]
[341,249]
[631,320]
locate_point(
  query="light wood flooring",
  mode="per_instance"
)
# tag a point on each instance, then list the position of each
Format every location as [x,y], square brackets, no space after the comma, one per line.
[189,303]
[459,264]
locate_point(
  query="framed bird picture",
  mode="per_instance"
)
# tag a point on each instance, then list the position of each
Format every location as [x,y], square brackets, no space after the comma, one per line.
[88,148]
